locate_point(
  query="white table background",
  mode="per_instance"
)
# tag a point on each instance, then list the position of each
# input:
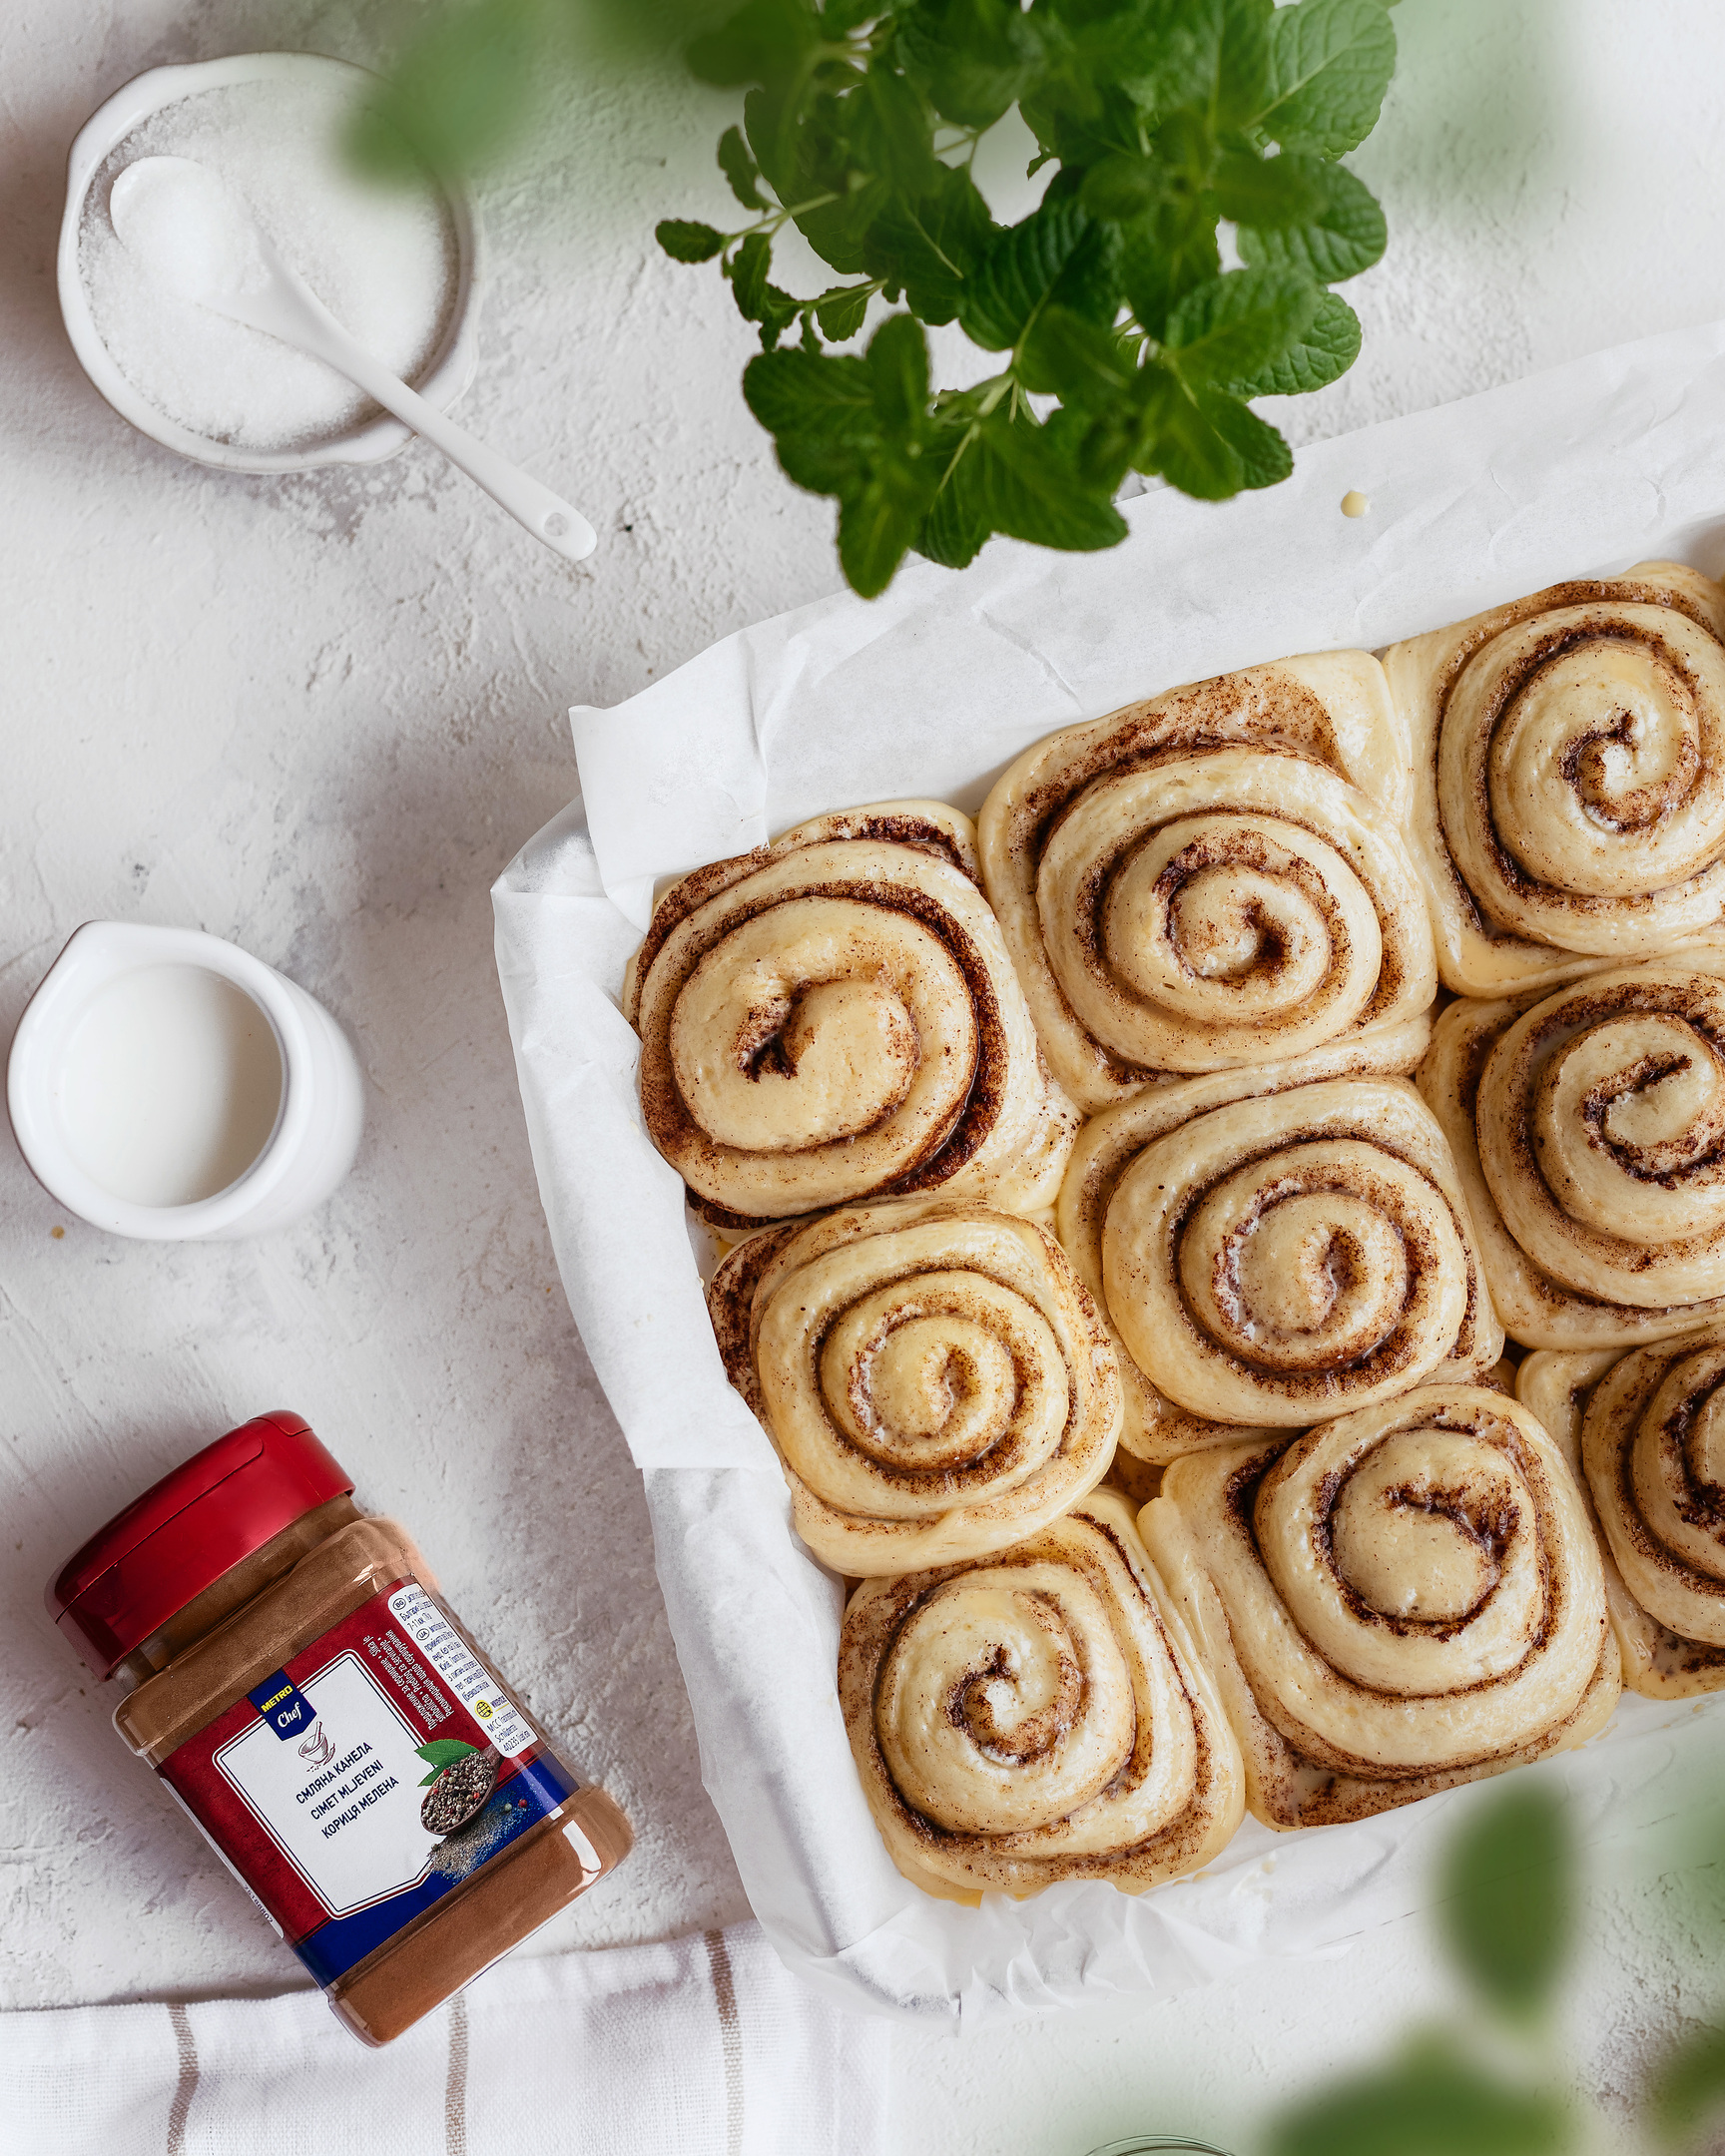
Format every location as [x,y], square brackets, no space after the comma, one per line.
[318,716]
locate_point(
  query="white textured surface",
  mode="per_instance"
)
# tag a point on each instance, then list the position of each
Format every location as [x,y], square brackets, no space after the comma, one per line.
[318,716]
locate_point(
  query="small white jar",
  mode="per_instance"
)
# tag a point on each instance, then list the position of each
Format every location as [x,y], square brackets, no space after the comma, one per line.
[56,1071]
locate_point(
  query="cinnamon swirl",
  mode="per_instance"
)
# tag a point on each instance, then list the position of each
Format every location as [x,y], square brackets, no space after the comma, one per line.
[1038,1715]
[1211,879]
[1400,1600]
[835,1016]
[1589,1128]
[1273,1246]
[935,1380]
[1570,775]
[1647,1431]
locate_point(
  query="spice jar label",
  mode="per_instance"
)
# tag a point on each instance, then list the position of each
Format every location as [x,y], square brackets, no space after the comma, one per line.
[380,1768]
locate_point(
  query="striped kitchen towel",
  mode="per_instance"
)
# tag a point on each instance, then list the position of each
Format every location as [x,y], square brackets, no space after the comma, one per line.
[703,2047]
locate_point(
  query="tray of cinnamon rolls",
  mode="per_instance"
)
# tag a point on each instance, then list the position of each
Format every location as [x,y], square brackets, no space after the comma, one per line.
[1228,1248]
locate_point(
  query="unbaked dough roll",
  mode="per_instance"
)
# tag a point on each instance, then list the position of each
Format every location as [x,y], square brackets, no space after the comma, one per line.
[935,1380]
[835,1017]
[1569,772]
[1588,1127]
[1212,878]
[1273,1246]
[1036,1716]
[1647,1431]
[1400,1600]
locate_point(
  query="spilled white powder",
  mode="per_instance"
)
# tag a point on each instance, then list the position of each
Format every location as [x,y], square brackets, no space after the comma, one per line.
[382,259]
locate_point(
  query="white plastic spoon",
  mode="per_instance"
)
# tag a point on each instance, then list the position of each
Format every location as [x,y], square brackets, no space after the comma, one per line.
[202,240]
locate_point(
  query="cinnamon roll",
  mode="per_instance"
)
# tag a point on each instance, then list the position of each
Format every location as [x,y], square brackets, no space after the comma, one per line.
[1038,1714]
[1570,775]
[1400,1600]
[1646,1430]
[1274,1246]
[1211,879]
[1589,1128]
[834,1017]
[935,1380]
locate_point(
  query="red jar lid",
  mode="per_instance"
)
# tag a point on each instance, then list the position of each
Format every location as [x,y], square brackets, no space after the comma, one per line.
[198,1521]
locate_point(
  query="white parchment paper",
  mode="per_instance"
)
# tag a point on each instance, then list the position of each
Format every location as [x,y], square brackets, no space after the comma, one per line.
[930,691]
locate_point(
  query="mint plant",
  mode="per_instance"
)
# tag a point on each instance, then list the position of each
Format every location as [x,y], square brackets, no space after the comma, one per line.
[1124,344]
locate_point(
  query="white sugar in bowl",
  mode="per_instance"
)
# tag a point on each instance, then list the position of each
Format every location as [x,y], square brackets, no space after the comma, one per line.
[398,267]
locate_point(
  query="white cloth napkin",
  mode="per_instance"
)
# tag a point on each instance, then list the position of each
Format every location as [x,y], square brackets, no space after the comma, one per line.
[705,2046]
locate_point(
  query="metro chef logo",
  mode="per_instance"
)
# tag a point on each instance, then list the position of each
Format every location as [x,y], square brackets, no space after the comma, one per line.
[283,1706]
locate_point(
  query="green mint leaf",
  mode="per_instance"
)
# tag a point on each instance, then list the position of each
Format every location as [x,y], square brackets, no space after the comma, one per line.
[829,397]
[779,309]
[1343,233]
[808,338]
[748,273]
[1122,186]
[841,311]
[876,525]
[1687,2087]
[897,363]
[1178,440]
[766,41]
[1509,1883]
[1076,360]
[889,133]
[1091,283]
[1265,457]
[686,241]
[1018,271]
[930,243]
[741,169]
[442,1752]
[1269,194]
[1331,62]
[1031,491]
[1434,2104]
[972,59]
[1243,61]
[1167,255]
[1326,350]
[1225,333]
[956,528]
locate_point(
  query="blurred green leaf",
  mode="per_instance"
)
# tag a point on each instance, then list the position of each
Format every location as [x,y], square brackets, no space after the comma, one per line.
[841,311]
[457,93]
[1018,271]
[1330,63]
[740,169]
[1265,457]
[1433,2104]
[1227,332]
[930,243]
[1509,1883]
[1339,234]
[1687,2088]
[764,41]
[1031,490]
[749,268]
[1326,348]
[686,241]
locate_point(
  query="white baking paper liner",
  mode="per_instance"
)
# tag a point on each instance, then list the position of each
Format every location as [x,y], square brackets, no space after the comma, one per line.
[931,691]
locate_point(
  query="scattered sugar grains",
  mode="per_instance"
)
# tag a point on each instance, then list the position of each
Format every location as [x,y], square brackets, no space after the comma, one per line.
[382,261]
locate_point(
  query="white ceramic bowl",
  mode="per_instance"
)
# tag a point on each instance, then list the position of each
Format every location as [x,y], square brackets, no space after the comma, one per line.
[452,364]
[318,1123]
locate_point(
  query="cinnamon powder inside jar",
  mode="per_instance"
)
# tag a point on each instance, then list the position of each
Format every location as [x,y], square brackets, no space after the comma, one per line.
[292,1674]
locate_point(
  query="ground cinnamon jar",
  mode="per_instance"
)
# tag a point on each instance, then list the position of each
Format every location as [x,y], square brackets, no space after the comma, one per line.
[293,1676]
